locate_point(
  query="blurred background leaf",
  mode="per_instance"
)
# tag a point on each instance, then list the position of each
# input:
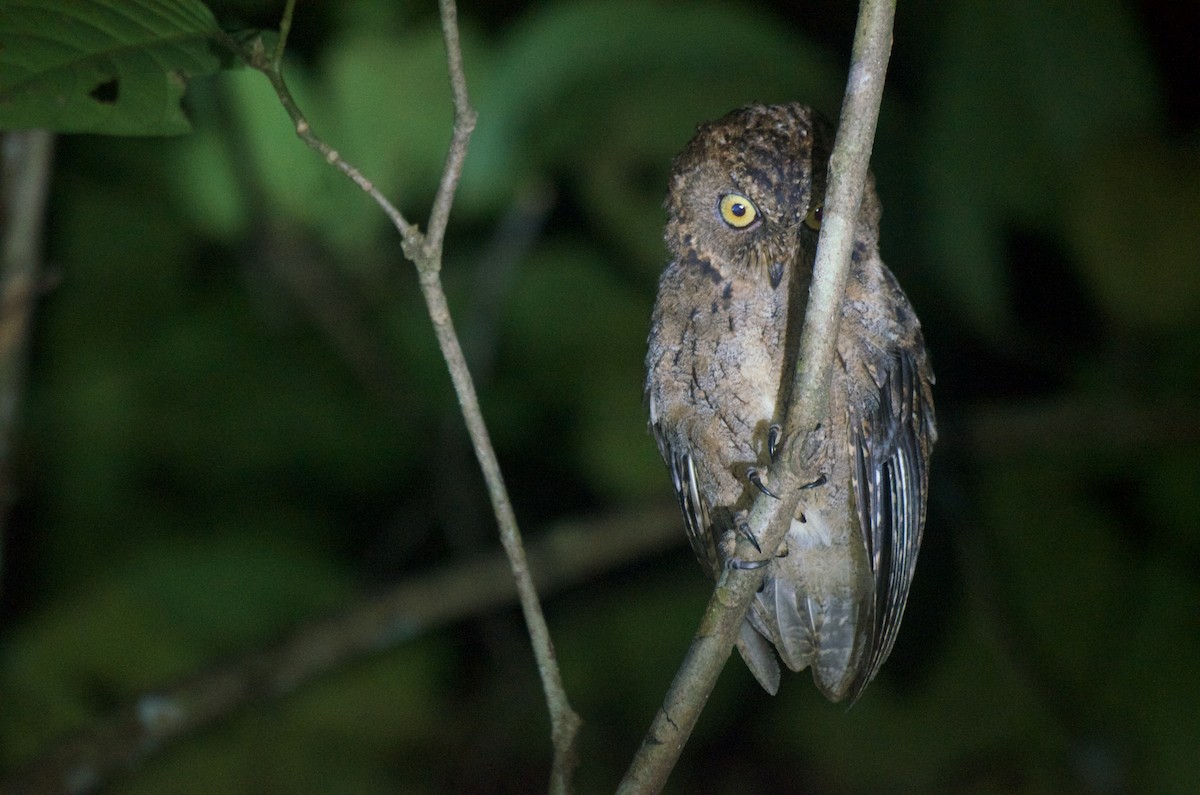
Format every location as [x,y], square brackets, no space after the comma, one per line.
[1023,91]
[237,418]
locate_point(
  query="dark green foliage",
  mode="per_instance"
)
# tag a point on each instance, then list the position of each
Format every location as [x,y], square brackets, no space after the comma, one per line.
[236,417]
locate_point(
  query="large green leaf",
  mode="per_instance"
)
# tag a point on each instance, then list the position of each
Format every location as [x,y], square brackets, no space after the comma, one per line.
[117,67]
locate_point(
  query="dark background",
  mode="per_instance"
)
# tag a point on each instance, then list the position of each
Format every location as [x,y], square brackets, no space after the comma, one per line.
[237,419]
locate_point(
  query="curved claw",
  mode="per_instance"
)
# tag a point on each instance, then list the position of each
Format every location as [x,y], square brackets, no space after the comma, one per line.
[820,481]
[754,477]
[773,434]
[745,530]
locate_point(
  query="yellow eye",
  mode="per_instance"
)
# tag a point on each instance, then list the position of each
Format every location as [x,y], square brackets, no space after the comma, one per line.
[737,211]
[813,219]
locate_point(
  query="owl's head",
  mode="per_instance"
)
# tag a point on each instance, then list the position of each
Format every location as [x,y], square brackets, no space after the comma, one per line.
[747,189]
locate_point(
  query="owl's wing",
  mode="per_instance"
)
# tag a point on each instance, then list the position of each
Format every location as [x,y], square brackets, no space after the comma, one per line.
[755,649]
[696,517]
[890,443]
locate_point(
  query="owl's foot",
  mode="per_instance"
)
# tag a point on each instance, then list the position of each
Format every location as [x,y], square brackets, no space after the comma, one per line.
[755,477]
[732,561]
[729,544]
[739,519]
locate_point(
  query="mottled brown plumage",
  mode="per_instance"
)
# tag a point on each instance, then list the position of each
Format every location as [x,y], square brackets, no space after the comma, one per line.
[743,214]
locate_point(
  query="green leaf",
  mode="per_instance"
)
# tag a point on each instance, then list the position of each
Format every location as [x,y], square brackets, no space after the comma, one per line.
[118,67]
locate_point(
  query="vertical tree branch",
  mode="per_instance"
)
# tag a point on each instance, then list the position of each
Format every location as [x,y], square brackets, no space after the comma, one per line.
[847,176]
[563,719]
[770,517]
[425,251]
[464,124]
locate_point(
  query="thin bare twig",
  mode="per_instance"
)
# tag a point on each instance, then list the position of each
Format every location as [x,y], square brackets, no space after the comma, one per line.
[285,30]
[571,552]
[464,125]
[425,251]
[256,57]
[564,721]
[770,517]
[25,157]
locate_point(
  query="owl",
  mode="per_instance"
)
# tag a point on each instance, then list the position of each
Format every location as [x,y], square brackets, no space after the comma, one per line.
[743,214]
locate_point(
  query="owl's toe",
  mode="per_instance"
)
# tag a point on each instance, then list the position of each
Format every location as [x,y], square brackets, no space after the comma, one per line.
[820,481]
[755,477]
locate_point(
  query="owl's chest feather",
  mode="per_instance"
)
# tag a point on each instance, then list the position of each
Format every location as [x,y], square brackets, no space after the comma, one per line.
[718,389]
[738,354]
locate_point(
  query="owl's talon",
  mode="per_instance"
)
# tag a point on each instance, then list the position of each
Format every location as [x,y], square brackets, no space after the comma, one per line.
[773,434]
[745,565]
[745,530]
[820,481]
[754,477]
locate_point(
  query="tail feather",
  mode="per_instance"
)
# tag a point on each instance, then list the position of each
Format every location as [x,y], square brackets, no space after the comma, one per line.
[760,658]
[809,632]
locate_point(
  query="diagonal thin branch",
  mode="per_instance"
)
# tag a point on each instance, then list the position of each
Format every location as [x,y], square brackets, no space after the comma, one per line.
[769,517]
[255,55]
[564,722]
[570,552]
[425,251]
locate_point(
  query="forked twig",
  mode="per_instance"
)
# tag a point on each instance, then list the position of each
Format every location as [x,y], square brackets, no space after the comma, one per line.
[425,251]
